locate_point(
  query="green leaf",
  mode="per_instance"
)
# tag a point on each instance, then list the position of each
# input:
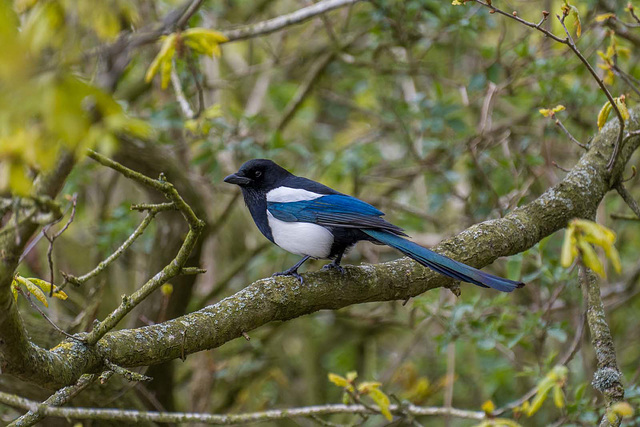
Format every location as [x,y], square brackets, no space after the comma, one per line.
[382,401]
[33,289]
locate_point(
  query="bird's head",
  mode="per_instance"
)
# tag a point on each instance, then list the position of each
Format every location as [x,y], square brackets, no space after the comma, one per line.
[260,175]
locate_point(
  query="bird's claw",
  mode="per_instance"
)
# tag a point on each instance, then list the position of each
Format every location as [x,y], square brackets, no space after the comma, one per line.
[289,273]
[332,266]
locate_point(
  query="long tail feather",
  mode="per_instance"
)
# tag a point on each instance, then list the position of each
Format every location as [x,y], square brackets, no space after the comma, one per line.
[442,264]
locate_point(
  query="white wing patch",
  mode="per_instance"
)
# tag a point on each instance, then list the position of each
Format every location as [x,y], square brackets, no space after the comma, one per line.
[301,238]
[288,194]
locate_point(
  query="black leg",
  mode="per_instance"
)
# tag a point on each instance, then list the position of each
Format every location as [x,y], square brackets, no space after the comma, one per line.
[335,264]
[293,271]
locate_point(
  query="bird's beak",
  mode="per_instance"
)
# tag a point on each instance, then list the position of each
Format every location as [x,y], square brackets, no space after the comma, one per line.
[237,179]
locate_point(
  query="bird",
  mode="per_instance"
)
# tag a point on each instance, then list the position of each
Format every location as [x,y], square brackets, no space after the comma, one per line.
[312,220]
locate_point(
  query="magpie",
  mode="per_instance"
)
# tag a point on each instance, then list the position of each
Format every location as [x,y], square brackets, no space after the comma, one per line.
[309,219]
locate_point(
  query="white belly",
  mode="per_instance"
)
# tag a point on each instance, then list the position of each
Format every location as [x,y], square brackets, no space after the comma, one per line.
[301,238]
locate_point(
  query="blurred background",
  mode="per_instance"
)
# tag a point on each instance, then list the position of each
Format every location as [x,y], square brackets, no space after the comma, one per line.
[427,110]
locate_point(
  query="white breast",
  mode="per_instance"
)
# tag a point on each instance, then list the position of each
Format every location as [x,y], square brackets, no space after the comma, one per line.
[301,238]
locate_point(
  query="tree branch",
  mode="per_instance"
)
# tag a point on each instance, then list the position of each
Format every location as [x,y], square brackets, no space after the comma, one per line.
[607,378]
[275,24]
[213,419]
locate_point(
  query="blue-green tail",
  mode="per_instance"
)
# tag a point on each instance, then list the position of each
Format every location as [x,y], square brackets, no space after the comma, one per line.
[442,264]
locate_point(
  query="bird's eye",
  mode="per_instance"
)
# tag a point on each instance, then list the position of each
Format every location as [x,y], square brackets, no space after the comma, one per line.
[258,174]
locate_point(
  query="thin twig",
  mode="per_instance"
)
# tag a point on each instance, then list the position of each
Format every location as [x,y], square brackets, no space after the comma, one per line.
[190,417]
[27,296]
[628,198]
[275,24]
[572,45]
[566,132]
[187,111]
[38,411]
[129,375]
[569,42]
[152,211]
[52,238]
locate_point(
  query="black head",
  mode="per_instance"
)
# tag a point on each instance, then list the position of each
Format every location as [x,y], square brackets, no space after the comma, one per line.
[258,175]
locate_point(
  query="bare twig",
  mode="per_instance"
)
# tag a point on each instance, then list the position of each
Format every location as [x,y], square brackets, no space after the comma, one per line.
[38,411]
[52,238]
[566,132]
[190,417]
[297,17]
[572,45]
[129,375]
[187,111]
[153,210]
[628,198]
[27,296]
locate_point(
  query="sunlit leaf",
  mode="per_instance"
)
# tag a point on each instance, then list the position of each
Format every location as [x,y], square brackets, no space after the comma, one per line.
[604,16]
[340,381]
[382,401]
[603,115]
[367,386]
[46,287]
[558,396]
[165,55]
[622,107]
[622,409]
[33,289]
[569,247]
[488,407]
[590,258]
[14,289]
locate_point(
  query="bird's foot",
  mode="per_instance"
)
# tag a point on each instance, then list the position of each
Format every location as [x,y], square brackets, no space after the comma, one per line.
[334,266]
[293,273]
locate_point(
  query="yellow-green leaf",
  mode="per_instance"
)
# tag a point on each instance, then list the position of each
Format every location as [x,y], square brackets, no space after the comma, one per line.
[558,396]
[33,289]
[367,386]
[622,107]
[166,289]
[623,409]
[340,381]
[488,407]
[595,233]
[351,376]
[14,290]
[569,247]
[19,182]
[165,55]
[545,112]
[590,258]
[46,287]
[604,16]
[382,401]
[603,115]
[536,403]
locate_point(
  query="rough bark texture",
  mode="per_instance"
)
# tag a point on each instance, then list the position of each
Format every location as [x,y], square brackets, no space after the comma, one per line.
[578,195]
